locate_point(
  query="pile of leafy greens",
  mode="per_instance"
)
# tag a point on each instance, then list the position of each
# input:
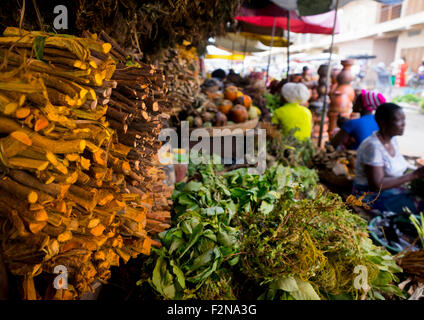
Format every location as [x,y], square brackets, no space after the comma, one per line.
[279,230]
[273,102]
[287,149]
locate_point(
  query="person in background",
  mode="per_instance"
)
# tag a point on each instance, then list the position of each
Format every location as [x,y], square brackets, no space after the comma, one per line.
[384,81]
[296,78]
[211,86]
[360,129]
[219,76]
[380,167]
[313,89]
[421,70]
[306,74]
[235,79]
[292,115]
[401,73]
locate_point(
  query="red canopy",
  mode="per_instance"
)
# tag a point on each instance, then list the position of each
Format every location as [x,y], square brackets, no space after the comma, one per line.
[264,17]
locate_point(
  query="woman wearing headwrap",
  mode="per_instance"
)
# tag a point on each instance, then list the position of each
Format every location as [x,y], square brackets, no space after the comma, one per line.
[293,116]
[381,170]
[360,129]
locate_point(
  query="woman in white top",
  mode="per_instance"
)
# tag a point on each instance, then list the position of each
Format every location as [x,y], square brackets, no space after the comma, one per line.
[380,167]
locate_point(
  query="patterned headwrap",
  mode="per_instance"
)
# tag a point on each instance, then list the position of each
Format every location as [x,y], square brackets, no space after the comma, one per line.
[372,99]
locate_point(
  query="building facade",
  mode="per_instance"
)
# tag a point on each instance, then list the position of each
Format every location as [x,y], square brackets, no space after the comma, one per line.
[371,28]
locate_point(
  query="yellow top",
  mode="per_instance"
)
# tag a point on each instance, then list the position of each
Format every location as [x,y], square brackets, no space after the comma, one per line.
[292,115]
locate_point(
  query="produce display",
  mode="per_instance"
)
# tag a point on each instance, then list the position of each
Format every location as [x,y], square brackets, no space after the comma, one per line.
[273,102]
[275,236]
[286,149]
[412,264]
[336,167]
[82,190]
[221,109]
[412,261]
[76,188]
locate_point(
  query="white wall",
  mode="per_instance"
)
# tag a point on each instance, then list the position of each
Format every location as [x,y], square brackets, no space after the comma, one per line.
[362,46]
[385,50]
[358,15]
[406,42]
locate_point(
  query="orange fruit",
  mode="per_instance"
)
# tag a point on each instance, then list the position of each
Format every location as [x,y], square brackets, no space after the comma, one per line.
[244,100]
[230,93]
[225,106]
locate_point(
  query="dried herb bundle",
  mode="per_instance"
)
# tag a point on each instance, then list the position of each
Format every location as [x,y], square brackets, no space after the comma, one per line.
[70,193]
[181,69]
[150,25]
[412,263]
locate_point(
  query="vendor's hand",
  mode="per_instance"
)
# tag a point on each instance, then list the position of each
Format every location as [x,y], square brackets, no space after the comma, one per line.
[419,173]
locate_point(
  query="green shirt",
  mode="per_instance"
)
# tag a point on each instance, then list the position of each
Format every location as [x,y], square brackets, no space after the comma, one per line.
[292,115]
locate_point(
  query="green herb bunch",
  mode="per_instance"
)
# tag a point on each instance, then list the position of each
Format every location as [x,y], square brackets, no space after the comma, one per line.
[286,235]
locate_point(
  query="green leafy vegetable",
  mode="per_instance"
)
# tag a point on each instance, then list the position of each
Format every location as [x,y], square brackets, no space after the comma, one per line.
[279,231]
[38,47]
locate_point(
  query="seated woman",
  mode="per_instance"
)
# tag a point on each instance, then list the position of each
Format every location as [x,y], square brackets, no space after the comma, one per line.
[292,115]
[360,129]
[381,168]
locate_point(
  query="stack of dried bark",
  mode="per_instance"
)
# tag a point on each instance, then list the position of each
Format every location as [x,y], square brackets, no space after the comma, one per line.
[137,111]
[181,68]
[74,191]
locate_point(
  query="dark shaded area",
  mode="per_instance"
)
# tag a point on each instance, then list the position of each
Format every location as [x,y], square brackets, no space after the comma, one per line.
[122,285]
[156,24]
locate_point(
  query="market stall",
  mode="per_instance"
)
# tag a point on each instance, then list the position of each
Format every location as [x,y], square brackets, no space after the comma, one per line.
[89,209]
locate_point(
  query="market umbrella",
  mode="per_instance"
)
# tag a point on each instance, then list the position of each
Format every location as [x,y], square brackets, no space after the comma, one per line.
[262,13]
[266,39]
[236,42]
[265,14]
[235,57]
[269,14]
[313,7]
[248,42]
[214,52]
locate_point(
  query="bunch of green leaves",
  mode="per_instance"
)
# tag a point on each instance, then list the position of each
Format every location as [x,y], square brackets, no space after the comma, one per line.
[281,229]
[382,282]
[408,98]
[273,102]
[202,238]
[290,151]
[219,286]
[419,225]
[308,248]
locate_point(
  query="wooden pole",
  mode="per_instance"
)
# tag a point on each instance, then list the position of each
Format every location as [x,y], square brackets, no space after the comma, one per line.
[270,50]
[232,52]
[244,54]
[288,44]
[324,107]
